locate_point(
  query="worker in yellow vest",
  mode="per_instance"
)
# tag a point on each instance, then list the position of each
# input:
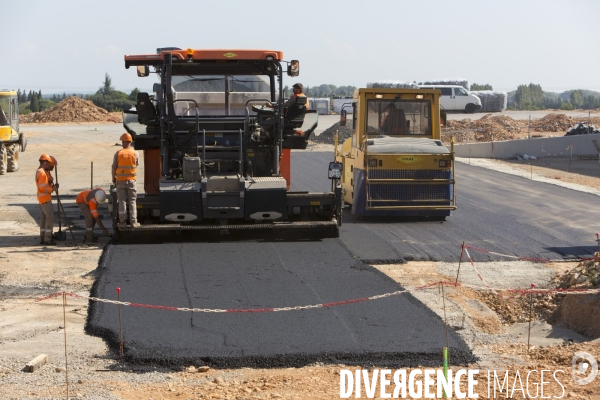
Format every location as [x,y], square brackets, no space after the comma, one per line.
[45,187]
[124,167]
[88,201]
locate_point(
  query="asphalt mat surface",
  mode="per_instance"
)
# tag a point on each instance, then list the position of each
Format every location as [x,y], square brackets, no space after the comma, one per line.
[496,212]
[393,331]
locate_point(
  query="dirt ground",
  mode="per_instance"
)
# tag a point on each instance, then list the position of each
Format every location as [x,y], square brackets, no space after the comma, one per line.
[29,271]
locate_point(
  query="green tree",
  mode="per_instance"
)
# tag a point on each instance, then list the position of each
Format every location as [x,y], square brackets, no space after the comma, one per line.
[566,106]
[591,102]
[110,99]
[133,95]
[33,104]
[107,88]
[45,104]
[476,86]
[577,99]
[529,97]
[286,91]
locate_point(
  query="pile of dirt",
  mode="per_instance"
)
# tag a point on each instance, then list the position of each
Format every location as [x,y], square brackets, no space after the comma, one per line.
[585,275]
[517,309]
[501,127]
[70,110]
[486,129]
[551,123]
[344,132]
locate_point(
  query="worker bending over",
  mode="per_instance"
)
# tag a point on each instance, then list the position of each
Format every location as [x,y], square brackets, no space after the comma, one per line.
[124,167]
[45,187]
[88,201]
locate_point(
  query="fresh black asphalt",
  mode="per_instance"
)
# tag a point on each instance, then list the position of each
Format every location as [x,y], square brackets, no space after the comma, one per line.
[497,212]
[394,331]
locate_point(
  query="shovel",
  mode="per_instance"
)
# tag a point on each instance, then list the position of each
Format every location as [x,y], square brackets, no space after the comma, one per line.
[60,235]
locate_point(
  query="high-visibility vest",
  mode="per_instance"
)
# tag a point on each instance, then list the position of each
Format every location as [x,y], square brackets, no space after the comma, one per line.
[126,165]
[44,188]
[89,197]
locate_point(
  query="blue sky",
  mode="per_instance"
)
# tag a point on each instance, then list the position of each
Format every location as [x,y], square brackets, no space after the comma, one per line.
[69,45]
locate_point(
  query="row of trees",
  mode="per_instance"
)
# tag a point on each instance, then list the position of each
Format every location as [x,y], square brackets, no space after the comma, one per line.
[35,101]
[532,97]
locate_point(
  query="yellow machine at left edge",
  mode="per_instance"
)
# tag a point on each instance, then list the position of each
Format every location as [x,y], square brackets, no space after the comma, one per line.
[12,141]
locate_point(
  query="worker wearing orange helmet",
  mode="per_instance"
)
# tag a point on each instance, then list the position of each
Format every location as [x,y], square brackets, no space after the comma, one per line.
[124,168]
[45,187]
[88,202]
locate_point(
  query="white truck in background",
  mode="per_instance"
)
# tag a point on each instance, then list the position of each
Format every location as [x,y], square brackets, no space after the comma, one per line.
[456,98]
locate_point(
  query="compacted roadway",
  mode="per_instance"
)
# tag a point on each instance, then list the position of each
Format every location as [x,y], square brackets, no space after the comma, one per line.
[497,212]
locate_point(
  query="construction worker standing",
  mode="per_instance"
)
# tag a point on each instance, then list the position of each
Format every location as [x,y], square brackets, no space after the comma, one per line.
[88,201]
[45,187]
[124,167]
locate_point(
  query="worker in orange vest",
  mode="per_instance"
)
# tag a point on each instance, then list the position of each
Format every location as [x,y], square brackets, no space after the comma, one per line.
[124,167]
[88,201]
[297,90]
[45,187]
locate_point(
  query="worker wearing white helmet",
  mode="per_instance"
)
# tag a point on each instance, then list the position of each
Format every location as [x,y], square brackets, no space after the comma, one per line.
[124,168]
[45,187]
[88,201]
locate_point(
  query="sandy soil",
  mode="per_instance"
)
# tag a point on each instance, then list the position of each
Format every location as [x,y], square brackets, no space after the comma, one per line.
[29,271]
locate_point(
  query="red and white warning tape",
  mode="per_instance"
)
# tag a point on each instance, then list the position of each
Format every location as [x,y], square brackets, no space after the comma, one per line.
[465,247]
[514,292]
[498,291]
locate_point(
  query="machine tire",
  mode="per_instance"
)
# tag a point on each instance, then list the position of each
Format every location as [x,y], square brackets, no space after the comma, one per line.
[3,159]
[12,152]
[470,108]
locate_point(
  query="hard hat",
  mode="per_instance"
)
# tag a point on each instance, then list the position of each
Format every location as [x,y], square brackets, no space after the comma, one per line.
[50,159]
[100,196]
[126,137]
